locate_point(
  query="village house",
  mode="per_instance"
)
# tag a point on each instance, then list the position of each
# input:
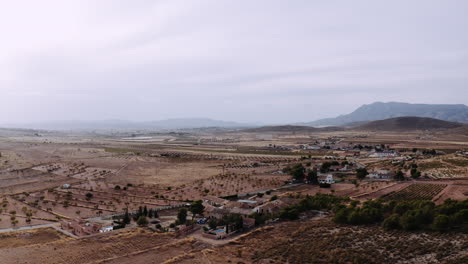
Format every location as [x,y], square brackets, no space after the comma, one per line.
[215,212]
[380,174]
[80,227]
[270,207]
[214,201]
[326,179]
[106,229]
[384,154]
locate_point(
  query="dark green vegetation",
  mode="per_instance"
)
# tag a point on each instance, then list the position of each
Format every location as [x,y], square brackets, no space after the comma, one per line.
[406,215]
[316,202]
[232,222]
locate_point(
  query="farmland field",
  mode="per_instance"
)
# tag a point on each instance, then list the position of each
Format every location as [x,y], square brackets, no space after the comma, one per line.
[417,191]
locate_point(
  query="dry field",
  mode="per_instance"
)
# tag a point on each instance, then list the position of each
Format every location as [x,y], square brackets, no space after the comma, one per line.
[108,175]
[322,241]
[303,241]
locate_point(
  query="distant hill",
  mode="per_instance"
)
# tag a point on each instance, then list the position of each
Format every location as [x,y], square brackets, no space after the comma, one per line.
[380,111]
[463,130]
[408,123]
[290,128]
[178,123]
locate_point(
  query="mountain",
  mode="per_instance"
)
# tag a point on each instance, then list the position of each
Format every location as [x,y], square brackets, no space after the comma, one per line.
[380,111]
[178,123]
[290,128]
[408,123]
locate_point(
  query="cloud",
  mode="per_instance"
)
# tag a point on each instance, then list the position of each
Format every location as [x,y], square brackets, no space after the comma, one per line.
[268,61]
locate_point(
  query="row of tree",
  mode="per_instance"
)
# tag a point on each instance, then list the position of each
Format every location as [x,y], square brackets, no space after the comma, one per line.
[406,215]
[232,222]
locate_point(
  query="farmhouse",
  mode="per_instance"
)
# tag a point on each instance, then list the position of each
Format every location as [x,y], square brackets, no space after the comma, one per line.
[384,154]
[106,229]
[215,201]
[80,227]
[270,207]
[380,174]
[326,179]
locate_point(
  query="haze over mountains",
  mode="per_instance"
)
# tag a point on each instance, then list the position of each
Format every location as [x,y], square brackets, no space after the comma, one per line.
[380,111]
[177,123]
[362,115]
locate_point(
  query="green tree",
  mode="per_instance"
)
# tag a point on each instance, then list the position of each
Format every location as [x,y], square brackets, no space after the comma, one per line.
[197,208]
[361,173]
[182,216]
[399,176]
[297,172]
[126,218]
[312,177]
[415,173]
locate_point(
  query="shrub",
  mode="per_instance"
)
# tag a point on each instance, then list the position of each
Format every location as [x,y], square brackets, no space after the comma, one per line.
[142,221]
[441,223]
[391,222]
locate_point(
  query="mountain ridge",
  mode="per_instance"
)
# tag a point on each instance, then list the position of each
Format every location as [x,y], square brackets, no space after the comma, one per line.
[381,111]
[408,123]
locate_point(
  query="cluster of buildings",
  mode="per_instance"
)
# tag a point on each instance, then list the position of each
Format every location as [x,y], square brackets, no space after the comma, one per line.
[81,227]
[381,174]
[217,208]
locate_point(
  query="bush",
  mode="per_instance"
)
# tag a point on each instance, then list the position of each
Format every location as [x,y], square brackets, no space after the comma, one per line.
[341,216]
[391,222]
[441,223]
[410,220]
[142,221]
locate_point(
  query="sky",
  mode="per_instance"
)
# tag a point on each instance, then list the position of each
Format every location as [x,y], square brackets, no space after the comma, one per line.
[242,60]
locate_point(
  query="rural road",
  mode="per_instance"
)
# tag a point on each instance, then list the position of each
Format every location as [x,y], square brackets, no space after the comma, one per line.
[26,228]
[54,226]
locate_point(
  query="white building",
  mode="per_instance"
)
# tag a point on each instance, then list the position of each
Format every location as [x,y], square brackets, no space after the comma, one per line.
[106,229]
[328,179]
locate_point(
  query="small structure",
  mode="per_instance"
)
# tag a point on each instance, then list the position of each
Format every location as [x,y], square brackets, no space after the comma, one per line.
[380,174]
[384,154]
[106,229]
[327,179]
[248,222]
[66,186]
[80,227]
[270,207]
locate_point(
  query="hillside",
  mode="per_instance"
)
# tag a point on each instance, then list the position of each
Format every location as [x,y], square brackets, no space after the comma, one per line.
[408,123]
[290,128]
[380,111]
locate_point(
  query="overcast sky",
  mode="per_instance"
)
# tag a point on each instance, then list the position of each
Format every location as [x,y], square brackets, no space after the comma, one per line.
[240,60]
